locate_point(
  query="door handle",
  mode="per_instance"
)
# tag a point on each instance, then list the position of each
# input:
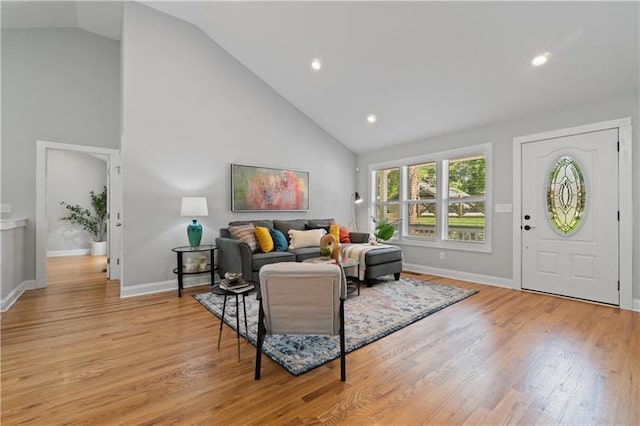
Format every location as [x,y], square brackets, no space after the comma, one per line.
[118,224]
[527,227]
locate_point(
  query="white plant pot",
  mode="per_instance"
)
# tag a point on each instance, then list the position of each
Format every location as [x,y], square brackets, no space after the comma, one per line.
[98,248]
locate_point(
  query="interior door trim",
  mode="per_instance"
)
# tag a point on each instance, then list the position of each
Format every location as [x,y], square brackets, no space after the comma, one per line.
[625,195]
[41,227]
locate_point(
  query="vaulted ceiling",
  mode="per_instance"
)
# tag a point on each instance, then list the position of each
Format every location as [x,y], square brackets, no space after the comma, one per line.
[423,68]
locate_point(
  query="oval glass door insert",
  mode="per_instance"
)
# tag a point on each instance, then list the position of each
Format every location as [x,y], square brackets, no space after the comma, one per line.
[566,195]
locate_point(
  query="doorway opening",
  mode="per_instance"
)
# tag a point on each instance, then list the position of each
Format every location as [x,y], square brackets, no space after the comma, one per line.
[47,150]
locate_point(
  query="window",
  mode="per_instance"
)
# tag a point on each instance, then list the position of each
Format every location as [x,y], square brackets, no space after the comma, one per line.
[387,193]
[422,206]
[466,198]
[437,200]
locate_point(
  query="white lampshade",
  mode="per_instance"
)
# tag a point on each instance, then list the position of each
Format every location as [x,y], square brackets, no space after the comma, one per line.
[194,206]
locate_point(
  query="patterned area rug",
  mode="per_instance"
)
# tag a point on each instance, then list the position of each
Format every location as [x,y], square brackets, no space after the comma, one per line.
[380,310]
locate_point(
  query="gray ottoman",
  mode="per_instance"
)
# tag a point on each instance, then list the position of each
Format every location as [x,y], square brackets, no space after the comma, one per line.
[384,261]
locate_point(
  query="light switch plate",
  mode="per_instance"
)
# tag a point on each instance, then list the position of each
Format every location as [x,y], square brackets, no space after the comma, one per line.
[5,208]
[504,208]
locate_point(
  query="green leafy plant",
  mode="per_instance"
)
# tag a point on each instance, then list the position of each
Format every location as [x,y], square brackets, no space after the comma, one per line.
[94,223]
[384,229]
[325,251]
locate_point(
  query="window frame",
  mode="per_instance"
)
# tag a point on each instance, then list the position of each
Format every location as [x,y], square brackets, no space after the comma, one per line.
[442,199]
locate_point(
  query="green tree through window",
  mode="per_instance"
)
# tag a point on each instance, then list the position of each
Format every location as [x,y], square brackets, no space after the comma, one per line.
[467,175]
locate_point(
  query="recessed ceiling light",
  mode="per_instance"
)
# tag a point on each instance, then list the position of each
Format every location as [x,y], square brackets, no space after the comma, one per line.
[540,59]
[316,64]
[371,118]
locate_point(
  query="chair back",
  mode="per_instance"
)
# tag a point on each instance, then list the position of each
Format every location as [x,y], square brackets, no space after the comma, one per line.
[302,298]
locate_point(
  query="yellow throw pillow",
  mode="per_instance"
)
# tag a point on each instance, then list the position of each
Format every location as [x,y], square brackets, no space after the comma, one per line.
[264,239]
[335,231]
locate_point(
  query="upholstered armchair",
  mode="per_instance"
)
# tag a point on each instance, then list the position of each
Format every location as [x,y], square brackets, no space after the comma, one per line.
[301,298]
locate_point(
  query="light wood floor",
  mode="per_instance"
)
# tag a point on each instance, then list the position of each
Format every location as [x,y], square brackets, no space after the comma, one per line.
[77,353]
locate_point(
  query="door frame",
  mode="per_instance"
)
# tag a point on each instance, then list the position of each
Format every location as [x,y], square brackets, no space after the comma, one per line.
[41,226]
[625,201]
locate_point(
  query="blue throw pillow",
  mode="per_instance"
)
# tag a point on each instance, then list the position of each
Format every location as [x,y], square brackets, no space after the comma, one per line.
[279,240]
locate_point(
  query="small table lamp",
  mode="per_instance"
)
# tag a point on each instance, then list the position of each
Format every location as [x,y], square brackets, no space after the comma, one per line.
[194,206]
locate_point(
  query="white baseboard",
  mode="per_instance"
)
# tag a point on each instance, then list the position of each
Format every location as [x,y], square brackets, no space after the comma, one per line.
[75,252]
[459,275]
[162,286]
[476,278]
[11,298]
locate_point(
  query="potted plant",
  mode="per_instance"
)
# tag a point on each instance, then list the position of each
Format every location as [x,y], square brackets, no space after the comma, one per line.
[94,222]
[384,230]
[325,252]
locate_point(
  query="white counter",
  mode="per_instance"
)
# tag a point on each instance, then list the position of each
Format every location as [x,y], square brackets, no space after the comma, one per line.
[8,224]
[12,279]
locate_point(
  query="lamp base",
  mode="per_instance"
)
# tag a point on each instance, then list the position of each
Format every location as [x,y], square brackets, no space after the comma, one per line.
[194,233]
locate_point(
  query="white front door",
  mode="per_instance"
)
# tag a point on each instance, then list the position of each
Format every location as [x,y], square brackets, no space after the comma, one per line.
[570,216]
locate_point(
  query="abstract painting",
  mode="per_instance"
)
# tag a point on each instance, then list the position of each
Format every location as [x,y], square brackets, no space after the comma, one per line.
[267,189]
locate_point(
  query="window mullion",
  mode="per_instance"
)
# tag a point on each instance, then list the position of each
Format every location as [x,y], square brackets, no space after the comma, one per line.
[443,198]
[403,210]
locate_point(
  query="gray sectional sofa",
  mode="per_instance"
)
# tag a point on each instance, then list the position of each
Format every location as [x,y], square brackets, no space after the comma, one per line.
[236,256]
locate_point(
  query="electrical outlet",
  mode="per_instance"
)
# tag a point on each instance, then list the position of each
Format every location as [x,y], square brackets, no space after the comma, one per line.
[5,208]
[441,255]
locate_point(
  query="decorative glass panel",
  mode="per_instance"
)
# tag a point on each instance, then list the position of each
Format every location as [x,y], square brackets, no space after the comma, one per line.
[566,195]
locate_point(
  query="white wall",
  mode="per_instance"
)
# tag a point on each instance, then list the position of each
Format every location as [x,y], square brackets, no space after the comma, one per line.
[189,111]
[59,85]
[498,264]
[70,178]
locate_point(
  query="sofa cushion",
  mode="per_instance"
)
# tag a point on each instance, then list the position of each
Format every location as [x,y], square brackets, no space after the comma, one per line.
[264,239]
[359,237]
[308,227]
[246,234]
[383,255]
[261,259]
[279,240]
[321,222]
[285,225]
[300,239]
[265,223]
[305,253]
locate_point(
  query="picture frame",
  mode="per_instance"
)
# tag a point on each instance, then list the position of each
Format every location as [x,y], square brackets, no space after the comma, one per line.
[256,188]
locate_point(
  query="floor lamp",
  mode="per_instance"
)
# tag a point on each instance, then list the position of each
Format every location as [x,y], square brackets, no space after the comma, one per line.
[357,199]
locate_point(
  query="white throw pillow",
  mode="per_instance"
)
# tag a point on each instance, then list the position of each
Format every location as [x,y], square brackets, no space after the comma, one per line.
[300,239]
